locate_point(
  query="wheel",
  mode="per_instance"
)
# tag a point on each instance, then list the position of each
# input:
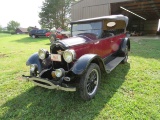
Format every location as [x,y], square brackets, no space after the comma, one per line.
[126,55]
[33,74]
[89,82]
[33,36]
[52,38]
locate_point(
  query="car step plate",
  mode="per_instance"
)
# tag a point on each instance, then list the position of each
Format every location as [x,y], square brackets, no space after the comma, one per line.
[112,64]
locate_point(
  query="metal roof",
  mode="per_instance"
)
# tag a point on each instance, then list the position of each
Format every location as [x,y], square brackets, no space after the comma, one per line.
[110,17]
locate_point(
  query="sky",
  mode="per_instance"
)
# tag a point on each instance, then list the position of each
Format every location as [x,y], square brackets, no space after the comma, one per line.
[23,11]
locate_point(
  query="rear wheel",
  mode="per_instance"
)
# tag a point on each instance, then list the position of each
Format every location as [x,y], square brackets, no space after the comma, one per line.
[89,82]
[126,55]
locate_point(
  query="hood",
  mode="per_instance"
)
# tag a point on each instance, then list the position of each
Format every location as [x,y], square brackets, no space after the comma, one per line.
[76,40]
[73,41]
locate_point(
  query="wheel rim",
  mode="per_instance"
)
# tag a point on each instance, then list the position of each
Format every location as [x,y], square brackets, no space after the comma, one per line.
[33,36]
[92,82]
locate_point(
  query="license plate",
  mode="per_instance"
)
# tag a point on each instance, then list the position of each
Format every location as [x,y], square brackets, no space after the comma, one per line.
[56,57]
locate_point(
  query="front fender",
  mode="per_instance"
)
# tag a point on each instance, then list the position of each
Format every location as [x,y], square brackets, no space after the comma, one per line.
[34,59]
[125,41]
[84,61]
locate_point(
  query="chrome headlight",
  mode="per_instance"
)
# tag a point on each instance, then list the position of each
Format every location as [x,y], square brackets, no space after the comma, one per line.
[59,72]
[69,55]
[43,53]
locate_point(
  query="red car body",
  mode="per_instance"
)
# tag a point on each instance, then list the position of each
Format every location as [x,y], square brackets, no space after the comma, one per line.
[48,34]
[58,35]
[89,44]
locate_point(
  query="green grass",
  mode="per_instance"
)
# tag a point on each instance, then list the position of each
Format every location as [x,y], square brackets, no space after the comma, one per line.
[131,91]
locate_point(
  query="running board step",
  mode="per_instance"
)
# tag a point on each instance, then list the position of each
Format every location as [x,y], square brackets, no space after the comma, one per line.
[112,64]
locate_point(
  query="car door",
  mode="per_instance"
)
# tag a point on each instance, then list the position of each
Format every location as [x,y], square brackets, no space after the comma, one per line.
[39,32]
[102,46]
[116,41]
[44,32]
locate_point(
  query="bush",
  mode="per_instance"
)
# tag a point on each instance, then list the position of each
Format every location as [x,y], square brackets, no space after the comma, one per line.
[4,32]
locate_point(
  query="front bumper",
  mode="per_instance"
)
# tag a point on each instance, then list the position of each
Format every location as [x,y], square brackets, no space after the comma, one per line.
[45,83]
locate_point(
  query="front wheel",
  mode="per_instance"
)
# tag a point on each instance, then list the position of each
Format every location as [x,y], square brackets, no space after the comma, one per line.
[33,36]
[89,82]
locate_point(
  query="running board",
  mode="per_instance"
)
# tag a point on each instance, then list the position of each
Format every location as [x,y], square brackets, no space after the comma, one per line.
[112,64]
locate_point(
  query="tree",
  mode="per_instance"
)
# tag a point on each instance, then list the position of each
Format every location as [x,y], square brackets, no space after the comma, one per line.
[12,26]
[55,13]
[29,28]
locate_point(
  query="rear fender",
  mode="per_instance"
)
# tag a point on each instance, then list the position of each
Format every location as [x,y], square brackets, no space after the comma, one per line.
[125,42]
[84,61]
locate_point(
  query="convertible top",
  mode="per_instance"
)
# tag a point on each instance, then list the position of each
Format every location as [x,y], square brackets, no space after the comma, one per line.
[110,17]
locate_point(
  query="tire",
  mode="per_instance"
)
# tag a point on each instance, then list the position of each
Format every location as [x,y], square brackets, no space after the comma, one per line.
[33,36]
[89,82]
[52,38]
[31,74]
[125,60]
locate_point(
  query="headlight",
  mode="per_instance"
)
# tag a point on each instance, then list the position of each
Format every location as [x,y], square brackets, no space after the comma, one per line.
[69,55]
[59,72]
[33,68]
[43,53]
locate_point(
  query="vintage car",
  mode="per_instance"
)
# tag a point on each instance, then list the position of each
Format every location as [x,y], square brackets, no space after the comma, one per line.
[97,45]
[57,36]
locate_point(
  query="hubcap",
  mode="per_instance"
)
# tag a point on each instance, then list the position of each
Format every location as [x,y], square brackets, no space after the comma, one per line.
[92,82]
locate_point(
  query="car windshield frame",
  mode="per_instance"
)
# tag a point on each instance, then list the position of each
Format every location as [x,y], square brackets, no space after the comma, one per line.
[94,27]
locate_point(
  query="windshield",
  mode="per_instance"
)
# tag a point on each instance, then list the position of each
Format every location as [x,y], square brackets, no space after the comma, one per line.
[91,27]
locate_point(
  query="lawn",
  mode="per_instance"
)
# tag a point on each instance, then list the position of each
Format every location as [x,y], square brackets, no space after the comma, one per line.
[131,91]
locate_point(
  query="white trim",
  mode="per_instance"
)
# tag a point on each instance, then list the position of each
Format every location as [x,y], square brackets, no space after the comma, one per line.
[133,13]
[111,17]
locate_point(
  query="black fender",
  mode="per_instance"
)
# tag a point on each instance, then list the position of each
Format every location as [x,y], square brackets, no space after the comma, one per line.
[34,59]
[125,42]
[84,61]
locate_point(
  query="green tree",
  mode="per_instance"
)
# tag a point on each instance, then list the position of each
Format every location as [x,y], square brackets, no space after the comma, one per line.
[55,13]
[12,26]
[29,28]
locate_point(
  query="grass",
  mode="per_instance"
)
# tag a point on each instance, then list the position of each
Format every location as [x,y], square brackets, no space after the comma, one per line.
[131,91]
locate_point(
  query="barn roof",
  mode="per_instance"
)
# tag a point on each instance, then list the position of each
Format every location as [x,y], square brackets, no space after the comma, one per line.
[23,29]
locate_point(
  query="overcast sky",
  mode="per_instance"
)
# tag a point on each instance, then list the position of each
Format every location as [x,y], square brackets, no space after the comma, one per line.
[23,11]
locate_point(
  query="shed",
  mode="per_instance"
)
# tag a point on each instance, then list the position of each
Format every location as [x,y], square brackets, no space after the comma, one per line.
[143,14]
[21,31]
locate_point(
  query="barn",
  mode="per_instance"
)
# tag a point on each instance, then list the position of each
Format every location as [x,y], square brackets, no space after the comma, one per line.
[21,31]
[143,15]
